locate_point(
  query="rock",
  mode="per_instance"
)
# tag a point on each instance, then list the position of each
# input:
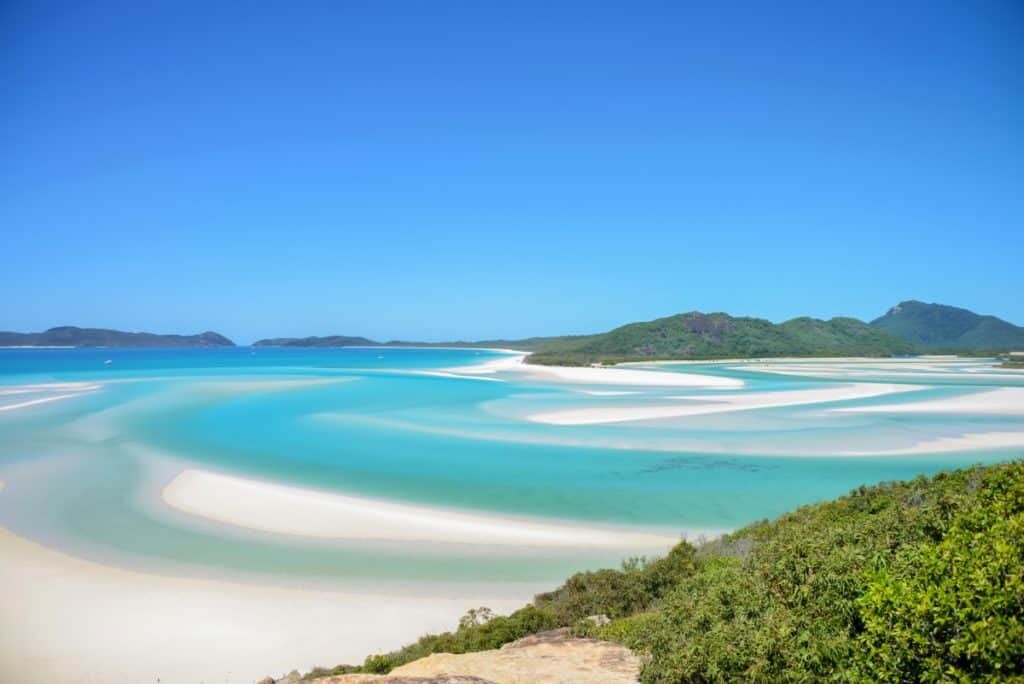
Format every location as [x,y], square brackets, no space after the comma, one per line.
[398,679]
[547,658]
[267,680]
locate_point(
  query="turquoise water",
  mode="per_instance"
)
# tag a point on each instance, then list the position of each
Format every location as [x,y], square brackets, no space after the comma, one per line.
[83,473]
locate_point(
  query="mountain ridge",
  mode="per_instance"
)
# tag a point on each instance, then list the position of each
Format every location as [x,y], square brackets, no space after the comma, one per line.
[944,327]
[73,336]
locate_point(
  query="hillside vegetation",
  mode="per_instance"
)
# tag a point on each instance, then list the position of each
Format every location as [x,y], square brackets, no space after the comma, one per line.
[696,335]
[949,328]
[919,581]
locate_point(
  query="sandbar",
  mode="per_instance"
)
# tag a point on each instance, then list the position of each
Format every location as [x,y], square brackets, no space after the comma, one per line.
[722,403]
[1002,401]
[298,511]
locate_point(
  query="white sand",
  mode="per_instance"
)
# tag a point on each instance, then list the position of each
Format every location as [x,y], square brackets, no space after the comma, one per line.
[73,389]
[50,387]
[968,442]
[597,376]
[33,402]
[716,404]
[69,620]
[919,369]
[460,376]
[282,509]
[232,386]
[1002,401]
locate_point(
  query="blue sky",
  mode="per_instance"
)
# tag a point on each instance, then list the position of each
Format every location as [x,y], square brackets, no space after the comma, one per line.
[438,170]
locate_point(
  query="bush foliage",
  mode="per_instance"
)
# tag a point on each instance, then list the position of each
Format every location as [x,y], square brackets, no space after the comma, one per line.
[905,582]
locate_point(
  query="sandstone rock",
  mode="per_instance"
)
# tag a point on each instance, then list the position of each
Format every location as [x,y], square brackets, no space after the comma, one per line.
[398,679]
[546,658]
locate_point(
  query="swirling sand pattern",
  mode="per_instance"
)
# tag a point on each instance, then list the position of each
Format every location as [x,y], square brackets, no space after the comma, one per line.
[400,473]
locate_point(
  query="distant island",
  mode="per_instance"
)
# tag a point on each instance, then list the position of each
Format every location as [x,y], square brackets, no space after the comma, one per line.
[910,327]
[70,336]
[328,341]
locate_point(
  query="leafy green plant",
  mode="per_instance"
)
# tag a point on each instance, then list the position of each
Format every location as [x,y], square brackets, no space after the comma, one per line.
[952,609]
[905,582]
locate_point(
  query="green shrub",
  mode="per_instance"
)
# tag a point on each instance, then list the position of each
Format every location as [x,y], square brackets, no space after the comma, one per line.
[378,664]
[631,631]
[791,609]
[618,593]
[953,610]
[904,582]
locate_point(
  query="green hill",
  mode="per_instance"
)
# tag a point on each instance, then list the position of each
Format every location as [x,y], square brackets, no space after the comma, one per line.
[942,327]
[903,582]
[697,335]
[70,336]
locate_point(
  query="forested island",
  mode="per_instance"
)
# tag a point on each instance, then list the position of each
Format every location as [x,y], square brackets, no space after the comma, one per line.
[71,336]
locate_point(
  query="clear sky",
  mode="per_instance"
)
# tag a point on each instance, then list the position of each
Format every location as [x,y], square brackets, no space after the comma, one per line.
[437,170]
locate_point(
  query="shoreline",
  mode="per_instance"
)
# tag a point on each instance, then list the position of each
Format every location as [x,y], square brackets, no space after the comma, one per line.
[588,375]
[42,346]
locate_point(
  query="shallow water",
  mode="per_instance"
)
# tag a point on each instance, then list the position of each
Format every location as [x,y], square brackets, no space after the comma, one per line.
[84,473]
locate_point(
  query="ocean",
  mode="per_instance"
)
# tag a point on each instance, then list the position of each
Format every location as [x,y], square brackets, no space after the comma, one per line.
[99,433]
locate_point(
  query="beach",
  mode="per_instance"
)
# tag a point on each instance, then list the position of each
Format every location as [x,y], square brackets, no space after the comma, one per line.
[226,525]
[515,363]
[70,620]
